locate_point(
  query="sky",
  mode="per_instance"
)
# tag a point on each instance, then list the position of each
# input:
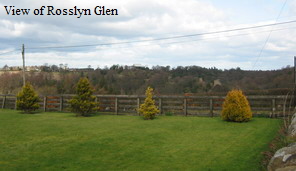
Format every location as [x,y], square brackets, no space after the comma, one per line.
[152,32]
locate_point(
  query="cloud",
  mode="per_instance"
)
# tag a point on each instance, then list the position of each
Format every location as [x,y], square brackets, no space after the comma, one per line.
[142,20]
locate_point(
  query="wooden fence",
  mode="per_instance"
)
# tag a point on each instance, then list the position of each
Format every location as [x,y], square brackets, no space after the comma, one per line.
[168,105]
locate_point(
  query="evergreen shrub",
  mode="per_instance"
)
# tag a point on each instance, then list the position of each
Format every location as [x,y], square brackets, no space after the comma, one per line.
[27,99]
[84,102]
[148,108]
[236,107]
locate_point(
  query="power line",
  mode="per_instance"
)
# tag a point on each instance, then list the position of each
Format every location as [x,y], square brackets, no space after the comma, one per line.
[24,68]
[201,39]
[9,52]
[235,35]
[268,37]
[166,38]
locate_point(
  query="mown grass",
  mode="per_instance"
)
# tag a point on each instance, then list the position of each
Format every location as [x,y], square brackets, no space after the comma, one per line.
[59,141]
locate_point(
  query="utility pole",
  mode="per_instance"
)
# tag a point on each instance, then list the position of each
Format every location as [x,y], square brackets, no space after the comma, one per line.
[294,81]
[23,55]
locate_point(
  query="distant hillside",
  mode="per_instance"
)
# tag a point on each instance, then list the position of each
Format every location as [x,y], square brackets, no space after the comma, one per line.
[134,80]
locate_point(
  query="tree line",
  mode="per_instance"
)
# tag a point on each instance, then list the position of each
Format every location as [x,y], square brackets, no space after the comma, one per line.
[129,80]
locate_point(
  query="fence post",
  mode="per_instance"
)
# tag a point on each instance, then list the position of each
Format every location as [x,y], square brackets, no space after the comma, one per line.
[3,102]
[15,104]
[97,106]
[185,107]
[211,107]
[138,106]
[273,107]
[116,106]
[44,103]
[160,106]
[61,103]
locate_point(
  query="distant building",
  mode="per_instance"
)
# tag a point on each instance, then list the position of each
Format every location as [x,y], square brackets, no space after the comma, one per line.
[19,68]
[33,68]
[217,82]
[5,68]
[139,66]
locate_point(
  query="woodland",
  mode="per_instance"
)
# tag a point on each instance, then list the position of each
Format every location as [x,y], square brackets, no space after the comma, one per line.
[131,80]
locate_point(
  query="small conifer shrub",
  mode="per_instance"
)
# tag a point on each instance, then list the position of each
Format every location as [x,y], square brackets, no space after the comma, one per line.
[148,108]
[84,102]
[236,107]
[27,99]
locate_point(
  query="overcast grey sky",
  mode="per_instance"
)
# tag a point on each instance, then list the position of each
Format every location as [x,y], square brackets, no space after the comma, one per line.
[152,19]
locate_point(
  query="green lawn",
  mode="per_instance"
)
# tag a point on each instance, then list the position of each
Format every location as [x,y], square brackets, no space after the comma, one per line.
[59,141]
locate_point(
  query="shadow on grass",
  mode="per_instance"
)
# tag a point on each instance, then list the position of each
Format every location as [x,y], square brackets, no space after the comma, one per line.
[29,112]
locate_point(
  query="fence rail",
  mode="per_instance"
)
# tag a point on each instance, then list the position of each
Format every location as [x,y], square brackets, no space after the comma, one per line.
[176,105]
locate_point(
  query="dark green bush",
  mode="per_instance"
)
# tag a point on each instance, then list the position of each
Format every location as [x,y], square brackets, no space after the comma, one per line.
[84,102]
[27,99]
